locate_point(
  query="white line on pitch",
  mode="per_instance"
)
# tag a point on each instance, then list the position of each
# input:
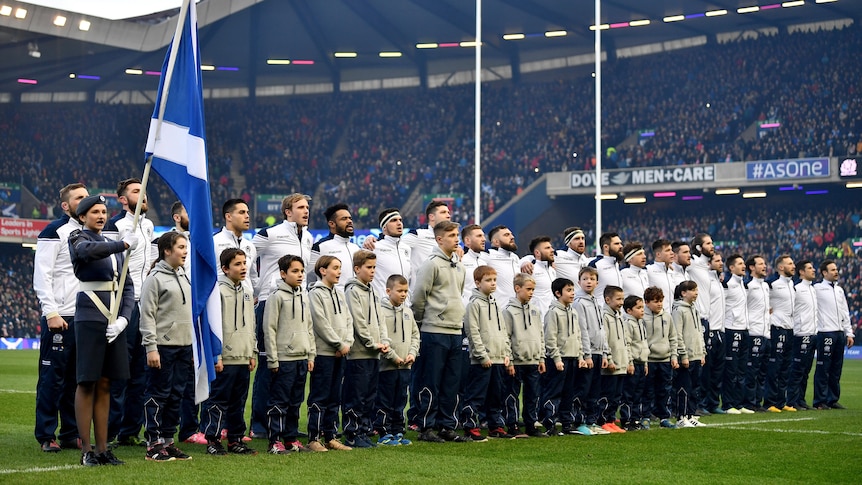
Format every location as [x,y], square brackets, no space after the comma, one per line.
[16,391]
[10,471]
[759,421]
[803,431]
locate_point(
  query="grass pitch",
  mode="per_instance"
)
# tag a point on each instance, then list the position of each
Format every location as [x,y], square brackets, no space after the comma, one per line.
[804,447]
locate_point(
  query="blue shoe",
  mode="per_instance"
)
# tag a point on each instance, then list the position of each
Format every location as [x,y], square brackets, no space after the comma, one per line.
[389,440]
[358,441]
[583,430]
[371,443]
[718,410]
[665,423]
[402,440]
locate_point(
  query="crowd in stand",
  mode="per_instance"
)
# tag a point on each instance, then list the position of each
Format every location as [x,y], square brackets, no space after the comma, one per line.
[19,307]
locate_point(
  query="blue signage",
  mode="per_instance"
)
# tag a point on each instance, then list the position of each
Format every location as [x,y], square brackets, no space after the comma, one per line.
[800,168]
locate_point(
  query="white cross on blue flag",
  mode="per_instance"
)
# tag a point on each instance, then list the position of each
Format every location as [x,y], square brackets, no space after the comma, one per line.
[177,144]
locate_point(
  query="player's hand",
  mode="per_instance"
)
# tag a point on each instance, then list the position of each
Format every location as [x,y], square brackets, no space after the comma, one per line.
[219,366]
[850,342]
[604,362]
[674,364]
[559,366]
[588,363]
[310,366]
[252,363]
[611,367]
[703,361]
[487,364]
[384,348]
[58,324]
[506,361]
[527,267]
[510,370]
[646,370]
[542,368]
[370,242]
[410,359]
[685,363]
[582,364]
[153,359]
[630,370]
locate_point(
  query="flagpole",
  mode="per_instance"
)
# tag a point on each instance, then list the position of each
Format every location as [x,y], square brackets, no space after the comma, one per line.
[166,85]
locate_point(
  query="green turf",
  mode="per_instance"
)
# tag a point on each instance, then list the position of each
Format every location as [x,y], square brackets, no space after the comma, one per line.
[806,447]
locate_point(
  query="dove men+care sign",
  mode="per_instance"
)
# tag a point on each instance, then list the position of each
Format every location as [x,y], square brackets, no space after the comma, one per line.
[646,176]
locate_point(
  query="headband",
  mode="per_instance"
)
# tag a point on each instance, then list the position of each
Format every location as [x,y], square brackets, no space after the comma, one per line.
[388,218]
[572,235]
[629,255]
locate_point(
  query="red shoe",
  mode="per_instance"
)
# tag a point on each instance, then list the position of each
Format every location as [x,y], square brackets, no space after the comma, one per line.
[196,439]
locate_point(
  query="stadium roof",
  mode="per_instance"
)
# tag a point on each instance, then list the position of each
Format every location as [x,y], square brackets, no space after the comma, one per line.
[238,37]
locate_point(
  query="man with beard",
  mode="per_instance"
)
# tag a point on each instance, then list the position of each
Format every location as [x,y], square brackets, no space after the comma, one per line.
[503,258]
[713,375]
[474,256]
[660,273]
[336,244]
[544,273]
[635,279]
[271,243]
[681,261]
[713,333]
[568,262]
[736,333]
[608,263]
[236,221]
[127,398]
[393,254]
[833,332]
[57,288]
[782,298]
[757,303]
[805,319]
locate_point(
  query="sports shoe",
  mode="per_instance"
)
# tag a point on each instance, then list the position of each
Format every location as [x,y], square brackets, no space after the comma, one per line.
[413,427]
[702,412]
[451,435]
[50,446]
[176,452]
[802,406]
[760,409]
[108,458]
[500,433]
[224,434]
[644,424]
[583,430]
[316,446]
[240,448]
[553,431]
[334,444]
[199,438]
[695,422]
[215,448]
[822,407]
[597,430]
[357,441]
[277,448]
[74,444]
[732,411]
[158,453]
[293,447]
[388,440]
[536,433]
[516,432]
[773,409]
[836,406]
[402,440]
[474,435]
[685,422]
[665,423]
[744,410]
[616,428]
[609,428]
[256,436]
[88,458]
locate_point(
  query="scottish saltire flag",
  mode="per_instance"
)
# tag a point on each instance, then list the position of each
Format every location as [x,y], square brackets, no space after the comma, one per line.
[179,156]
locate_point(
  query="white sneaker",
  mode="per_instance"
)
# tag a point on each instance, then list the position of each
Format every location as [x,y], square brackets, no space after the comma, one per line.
[695,421]
[732,411]
[683,422]
[596,429]
[746,411]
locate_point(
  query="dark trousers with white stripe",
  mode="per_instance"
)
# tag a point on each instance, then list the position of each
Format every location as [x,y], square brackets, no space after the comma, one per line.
[684,380]
[484,396]
[830,362]
[713,371]
[659,383]
[262,378]
[189,411]
[611,397]
[588,390]
[803,358]
[632,407]
[127,396]
[558,393]
[391,400]
[780,359]
[527,378]
[225,407]
[755,372]
[735,364]
[165,388]
[438,380]
[324,397]
[55,389]
[286,393]
[359,394]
